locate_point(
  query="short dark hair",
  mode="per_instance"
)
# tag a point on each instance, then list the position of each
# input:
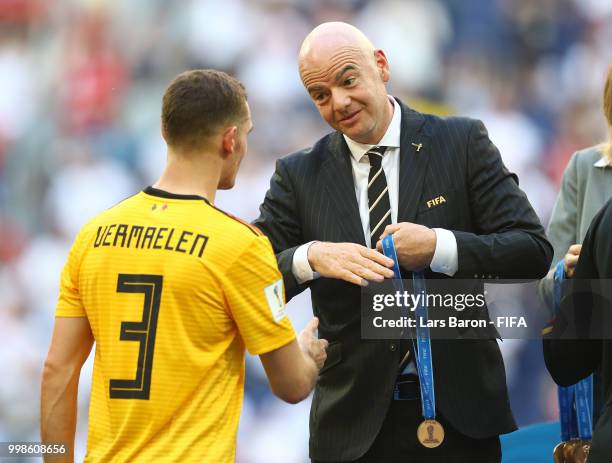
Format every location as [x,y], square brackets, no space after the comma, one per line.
[199,102]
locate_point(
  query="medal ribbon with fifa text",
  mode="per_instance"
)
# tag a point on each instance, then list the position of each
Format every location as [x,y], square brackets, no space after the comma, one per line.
[575,404]
[430,432]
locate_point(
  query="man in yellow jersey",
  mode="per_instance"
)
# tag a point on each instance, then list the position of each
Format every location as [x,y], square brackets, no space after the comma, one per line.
[172,290]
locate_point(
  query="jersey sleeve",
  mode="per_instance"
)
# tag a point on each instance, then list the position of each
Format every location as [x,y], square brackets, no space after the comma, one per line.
[69,303]
[256,297]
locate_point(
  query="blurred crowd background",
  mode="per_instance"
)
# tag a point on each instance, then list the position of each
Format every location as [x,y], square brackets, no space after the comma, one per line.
[80,89]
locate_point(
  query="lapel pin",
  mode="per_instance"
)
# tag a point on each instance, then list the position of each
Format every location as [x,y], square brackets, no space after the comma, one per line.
[418,146]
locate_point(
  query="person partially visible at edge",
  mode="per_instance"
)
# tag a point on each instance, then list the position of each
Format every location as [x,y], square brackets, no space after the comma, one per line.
[585,188]
[172,290]
[439,186]
[578,341]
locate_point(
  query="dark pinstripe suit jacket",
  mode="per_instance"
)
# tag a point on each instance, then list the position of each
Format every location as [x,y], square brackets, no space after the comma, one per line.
[312,197]
[585,313]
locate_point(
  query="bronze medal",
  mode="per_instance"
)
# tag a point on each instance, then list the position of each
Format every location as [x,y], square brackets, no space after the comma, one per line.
[430,433]
[569,449]
[581,452]
[558,456]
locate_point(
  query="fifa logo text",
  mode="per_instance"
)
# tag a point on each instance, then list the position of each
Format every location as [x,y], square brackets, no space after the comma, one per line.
[435,201]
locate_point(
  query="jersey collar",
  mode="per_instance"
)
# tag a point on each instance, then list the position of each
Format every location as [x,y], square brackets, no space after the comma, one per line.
[167,195]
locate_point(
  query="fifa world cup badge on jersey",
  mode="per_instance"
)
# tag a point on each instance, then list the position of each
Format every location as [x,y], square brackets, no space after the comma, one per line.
[274,295]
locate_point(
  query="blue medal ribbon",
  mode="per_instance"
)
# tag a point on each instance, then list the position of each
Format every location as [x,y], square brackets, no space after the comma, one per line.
[388,247]
[558,281]
[567,414]
[584,413]
[423,353]
[576,401]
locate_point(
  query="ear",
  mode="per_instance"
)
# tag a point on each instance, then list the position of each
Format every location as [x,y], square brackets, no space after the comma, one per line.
[229,140]
[382,64]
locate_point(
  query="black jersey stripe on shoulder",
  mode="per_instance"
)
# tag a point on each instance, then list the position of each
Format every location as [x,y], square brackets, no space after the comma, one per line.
[166,194]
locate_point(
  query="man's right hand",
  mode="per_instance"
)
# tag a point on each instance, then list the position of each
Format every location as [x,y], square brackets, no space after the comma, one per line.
[311,346]
[292,370]
[571,259]
[349,262]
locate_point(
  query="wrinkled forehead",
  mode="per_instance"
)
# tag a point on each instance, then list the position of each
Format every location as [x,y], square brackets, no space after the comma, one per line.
[322,64]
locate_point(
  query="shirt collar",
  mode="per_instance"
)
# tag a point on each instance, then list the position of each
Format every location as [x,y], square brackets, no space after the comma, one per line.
[603,162]
[391,138]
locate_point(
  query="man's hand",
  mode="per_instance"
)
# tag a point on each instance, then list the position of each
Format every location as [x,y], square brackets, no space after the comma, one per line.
[571,259]
[415,244]
[311,346]
[293,369]
[349,262]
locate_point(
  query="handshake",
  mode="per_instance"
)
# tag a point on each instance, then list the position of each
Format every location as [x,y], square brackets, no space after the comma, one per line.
[313,348]
[292,370]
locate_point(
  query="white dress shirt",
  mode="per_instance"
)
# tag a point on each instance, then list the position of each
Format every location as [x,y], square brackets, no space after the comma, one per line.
[603,162]
[445,259]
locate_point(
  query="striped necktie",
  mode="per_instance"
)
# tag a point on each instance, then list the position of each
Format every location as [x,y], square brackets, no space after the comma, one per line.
[378,194]
[380,213]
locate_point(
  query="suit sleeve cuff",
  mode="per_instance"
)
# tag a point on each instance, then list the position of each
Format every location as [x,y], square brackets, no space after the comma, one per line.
[300,266]
[446,257]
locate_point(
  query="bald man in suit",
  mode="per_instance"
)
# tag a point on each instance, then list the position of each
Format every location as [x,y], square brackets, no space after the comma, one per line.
[440,187]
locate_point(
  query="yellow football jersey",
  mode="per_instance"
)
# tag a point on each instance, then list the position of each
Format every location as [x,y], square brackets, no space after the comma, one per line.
[174,290]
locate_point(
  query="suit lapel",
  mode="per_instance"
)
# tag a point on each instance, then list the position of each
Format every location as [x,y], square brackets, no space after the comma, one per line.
[413,163]
[339,183]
